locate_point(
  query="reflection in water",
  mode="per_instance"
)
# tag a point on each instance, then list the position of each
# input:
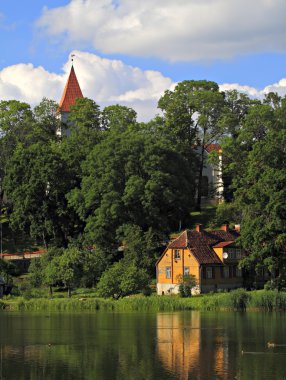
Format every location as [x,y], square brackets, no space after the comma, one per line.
[179,342]
[183,349]
[135,346]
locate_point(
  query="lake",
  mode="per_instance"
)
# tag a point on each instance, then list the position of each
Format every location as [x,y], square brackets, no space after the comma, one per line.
[178,345]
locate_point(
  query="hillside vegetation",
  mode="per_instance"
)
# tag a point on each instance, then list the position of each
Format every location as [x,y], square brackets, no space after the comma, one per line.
[103,199]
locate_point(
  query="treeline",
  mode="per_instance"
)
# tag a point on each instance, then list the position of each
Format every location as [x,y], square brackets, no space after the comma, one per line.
[121,186]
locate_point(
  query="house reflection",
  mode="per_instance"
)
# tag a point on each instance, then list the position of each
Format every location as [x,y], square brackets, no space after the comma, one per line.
[189,350]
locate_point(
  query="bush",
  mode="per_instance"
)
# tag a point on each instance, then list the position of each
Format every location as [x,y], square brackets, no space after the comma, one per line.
[147,291]
[121,280]
[187,282]
[239,299]
[25,289]
[185,290]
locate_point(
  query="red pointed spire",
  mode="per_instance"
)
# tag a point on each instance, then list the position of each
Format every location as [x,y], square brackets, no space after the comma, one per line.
[71,92]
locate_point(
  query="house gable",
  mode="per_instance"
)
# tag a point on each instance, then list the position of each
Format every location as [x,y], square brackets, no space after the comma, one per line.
[200,253]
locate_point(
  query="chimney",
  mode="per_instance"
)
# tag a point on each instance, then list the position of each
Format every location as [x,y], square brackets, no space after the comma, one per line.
[199,227]
[225,227]
[237,227]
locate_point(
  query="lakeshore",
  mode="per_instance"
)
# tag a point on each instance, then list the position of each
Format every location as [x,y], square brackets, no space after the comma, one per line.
[238,300]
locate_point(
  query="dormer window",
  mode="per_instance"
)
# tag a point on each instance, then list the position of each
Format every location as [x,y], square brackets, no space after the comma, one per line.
[177,254]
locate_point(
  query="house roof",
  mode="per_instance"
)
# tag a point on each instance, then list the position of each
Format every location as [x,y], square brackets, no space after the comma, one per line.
[71,92]
[212,148]
[223,244]
[201,243]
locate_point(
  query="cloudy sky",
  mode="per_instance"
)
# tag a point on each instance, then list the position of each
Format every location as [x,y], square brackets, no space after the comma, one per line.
[130,51]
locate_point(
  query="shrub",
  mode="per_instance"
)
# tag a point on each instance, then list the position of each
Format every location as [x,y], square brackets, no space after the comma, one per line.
[239,299]
[121,280]
[147,291]
[187,282]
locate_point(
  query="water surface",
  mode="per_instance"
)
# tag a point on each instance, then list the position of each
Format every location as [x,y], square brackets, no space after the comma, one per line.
[179,345]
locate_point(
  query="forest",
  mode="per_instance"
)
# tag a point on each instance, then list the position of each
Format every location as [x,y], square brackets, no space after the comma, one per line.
[103,198]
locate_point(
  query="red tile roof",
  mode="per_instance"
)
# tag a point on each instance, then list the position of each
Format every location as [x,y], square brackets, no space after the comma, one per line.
[212,148]
[71,92]
[223,244]
[201,243]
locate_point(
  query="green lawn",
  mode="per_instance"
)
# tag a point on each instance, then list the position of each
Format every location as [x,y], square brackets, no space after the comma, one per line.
[205,216]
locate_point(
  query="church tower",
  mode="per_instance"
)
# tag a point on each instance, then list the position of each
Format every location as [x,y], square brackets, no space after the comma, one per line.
[72,91]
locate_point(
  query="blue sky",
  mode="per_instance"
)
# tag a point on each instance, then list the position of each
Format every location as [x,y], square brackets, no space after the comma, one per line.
[212,39]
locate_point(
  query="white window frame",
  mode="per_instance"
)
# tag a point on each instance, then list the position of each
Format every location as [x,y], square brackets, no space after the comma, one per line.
[188,270]
[177,254]
[168,272]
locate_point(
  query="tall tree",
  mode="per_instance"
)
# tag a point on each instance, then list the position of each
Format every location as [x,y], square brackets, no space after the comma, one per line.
[133,178]
[118,117]
[16,125]
[36,184]
[261,199]
[46,117]
[85,133]
[255,125]
[192,113]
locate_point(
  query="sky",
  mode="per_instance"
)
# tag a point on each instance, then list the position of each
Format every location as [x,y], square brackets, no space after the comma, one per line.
[131,51]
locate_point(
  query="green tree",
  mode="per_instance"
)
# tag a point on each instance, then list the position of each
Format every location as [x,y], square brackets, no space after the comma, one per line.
[84,116]
[85,133]
[44,271]
[139,247]
[36,184]
[118,117]
[255,125]
[192,113]
[94,263]
[46,117]
[7,270]
[16,124]
[70,268]
[261,199]
[133,178]
[122,279]
[236,106]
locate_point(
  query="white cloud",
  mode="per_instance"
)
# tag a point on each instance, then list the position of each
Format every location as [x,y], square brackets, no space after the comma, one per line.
[250,91]
[28,83]
[181,30]
[279,87]
[104,80]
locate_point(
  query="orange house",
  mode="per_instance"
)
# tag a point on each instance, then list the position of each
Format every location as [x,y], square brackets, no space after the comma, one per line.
[212,257]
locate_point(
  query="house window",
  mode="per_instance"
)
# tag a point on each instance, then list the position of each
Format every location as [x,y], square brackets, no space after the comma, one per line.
[177,254]
[209,272]
[231,253]
[234,253]
[168,272]
[186,271]
[226,272]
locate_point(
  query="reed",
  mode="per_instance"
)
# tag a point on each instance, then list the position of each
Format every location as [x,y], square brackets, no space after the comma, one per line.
[268,300]
[236,300]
